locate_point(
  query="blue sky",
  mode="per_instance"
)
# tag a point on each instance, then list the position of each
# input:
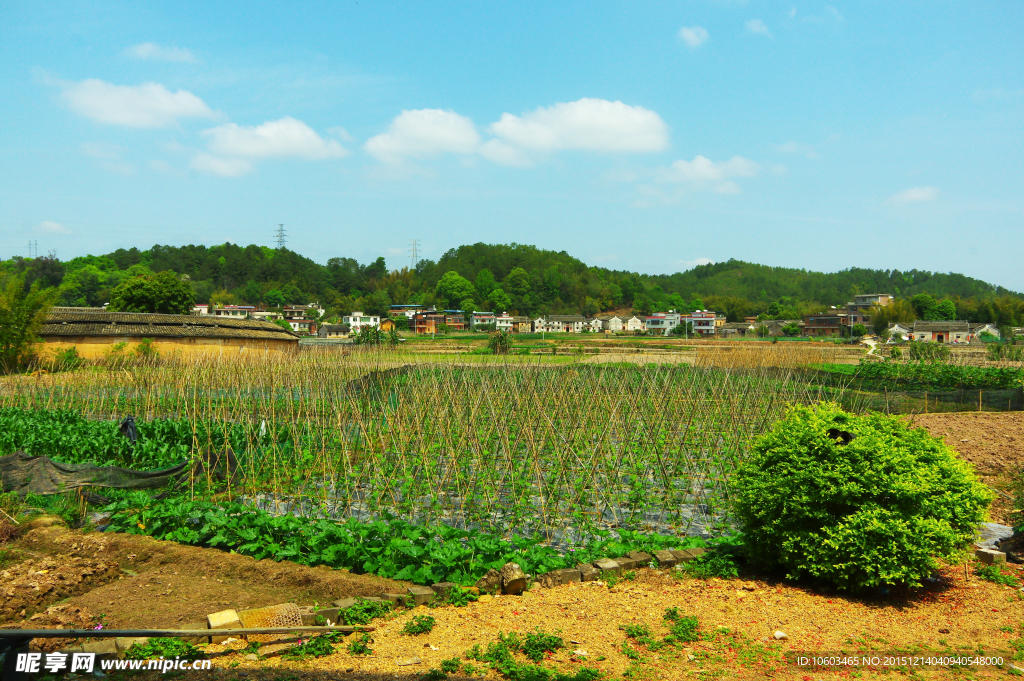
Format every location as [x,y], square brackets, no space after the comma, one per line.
[645,135]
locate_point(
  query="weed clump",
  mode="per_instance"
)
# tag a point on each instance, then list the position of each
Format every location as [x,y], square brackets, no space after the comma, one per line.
[163,647]
[992,573]
[855,501]
[420,624]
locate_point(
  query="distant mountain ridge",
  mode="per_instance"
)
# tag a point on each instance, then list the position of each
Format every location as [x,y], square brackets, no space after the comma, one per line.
[520,277]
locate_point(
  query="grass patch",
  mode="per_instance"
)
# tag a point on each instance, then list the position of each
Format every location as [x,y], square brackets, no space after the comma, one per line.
[993,573]
[364,612]
[420,624]
[163,647]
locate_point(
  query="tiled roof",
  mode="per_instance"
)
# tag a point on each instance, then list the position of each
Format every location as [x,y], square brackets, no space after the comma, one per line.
[566,318]
[946,326]
[146,325]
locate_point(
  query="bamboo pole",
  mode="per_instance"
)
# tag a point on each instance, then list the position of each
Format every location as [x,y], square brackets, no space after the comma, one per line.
[169,633]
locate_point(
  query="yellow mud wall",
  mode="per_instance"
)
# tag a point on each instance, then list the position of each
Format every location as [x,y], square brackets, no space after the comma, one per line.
[95,347]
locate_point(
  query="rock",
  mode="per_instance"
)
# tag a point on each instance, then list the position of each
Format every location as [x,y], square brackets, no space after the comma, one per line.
[607,565]
[549,580]
[626,563]
[569,575]
[421,595]
[225,619]
[124,643]
[251,657]
[781,636]
[642,559]
[105,646]
[665,559]
[397,599]
[408,661]
[442,588]
[513,579]
[588,573]
[486,598]
[371,599]
[490,583]
[343,603]
[329,614]
[990,556]
[990,534]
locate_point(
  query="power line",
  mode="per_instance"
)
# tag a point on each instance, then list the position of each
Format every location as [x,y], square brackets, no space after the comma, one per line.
[281,236]
[415,251]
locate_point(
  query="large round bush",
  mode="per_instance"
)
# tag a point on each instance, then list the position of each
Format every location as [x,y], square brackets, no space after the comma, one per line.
[877,509]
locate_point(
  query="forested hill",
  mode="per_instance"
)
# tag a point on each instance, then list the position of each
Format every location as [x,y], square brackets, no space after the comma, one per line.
[513,276]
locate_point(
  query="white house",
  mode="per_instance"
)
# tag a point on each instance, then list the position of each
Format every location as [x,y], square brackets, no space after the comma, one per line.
[504,322]
[978,329]
[357,320]
[704,322]
[236,311]
[635,323]
[481,319]
[898,331]
[595,324]
[611,324]
[201,309]
[942,332]
[662,323]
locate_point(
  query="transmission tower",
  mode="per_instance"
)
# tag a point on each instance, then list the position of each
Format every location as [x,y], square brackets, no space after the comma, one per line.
[415,251]
[280,236]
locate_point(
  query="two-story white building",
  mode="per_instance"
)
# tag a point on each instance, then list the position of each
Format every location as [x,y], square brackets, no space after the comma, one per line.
[703,322]
[504,322]
[234,311]
[481,319]
[358,319]
[662,323]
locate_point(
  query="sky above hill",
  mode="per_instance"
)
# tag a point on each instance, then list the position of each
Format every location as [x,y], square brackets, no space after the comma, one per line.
[646,136]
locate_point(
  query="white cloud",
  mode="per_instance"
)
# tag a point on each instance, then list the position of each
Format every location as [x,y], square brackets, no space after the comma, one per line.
[694,36]
[690,264]
[758,27]
[421,133]
[154,51]
[149,105]
[504,154]
[225,167]
[703,173]
[586,124]
[913,195]
[281,138]
[52,227]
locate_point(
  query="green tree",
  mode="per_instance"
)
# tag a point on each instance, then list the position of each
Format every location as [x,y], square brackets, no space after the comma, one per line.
[945,310]
[485,283]
[517,282]
[896,312]
[274,298]
[293,295]
[21,315]
[499,300]
[467,305]
[859,330]
[164,293]
[792,330]
[923,305]
[284,325]
[251,292]
[378,303]
[454,288]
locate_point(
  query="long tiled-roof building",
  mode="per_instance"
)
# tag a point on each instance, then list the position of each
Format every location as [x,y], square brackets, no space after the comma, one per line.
[94,333]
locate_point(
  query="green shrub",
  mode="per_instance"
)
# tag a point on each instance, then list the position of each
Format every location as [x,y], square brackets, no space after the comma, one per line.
[992,573]
[420,624]
[878,510]
[163,647]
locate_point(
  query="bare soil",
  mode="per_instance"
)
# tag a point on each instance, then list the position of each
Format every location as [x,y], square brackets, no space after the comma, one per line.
[994,443]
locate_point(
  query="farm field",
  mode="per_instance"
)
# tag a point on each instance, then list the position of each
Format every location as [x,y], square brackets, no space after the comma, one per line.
[466,465]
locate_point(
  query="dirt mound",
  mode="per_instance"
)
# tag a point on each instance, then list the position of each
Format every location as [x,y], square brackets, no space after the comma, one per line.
[993,443]
[137,581]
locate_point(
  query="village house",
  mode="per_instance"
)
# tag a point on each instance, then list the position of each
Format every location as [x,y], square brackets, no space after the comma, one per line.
[265,315]
[635,325]
[332,331]
[830,323]
[703,322]
[427,321]
[407,311]
[594,324]
[95,334]
[738,329]
[857,309]
[504,322]
[358,319]
[610,323]
[978,329]
[236,311]
[662,323]
[481,319]
[522,324]
[199,309]
[898,331]
[942,331]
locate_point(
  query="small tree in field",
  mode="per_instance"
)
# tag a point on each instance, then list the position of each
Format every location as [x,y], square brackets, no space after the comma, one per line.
[855,501]
[21,315]
[500,343]
[859,330]
[165,293]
